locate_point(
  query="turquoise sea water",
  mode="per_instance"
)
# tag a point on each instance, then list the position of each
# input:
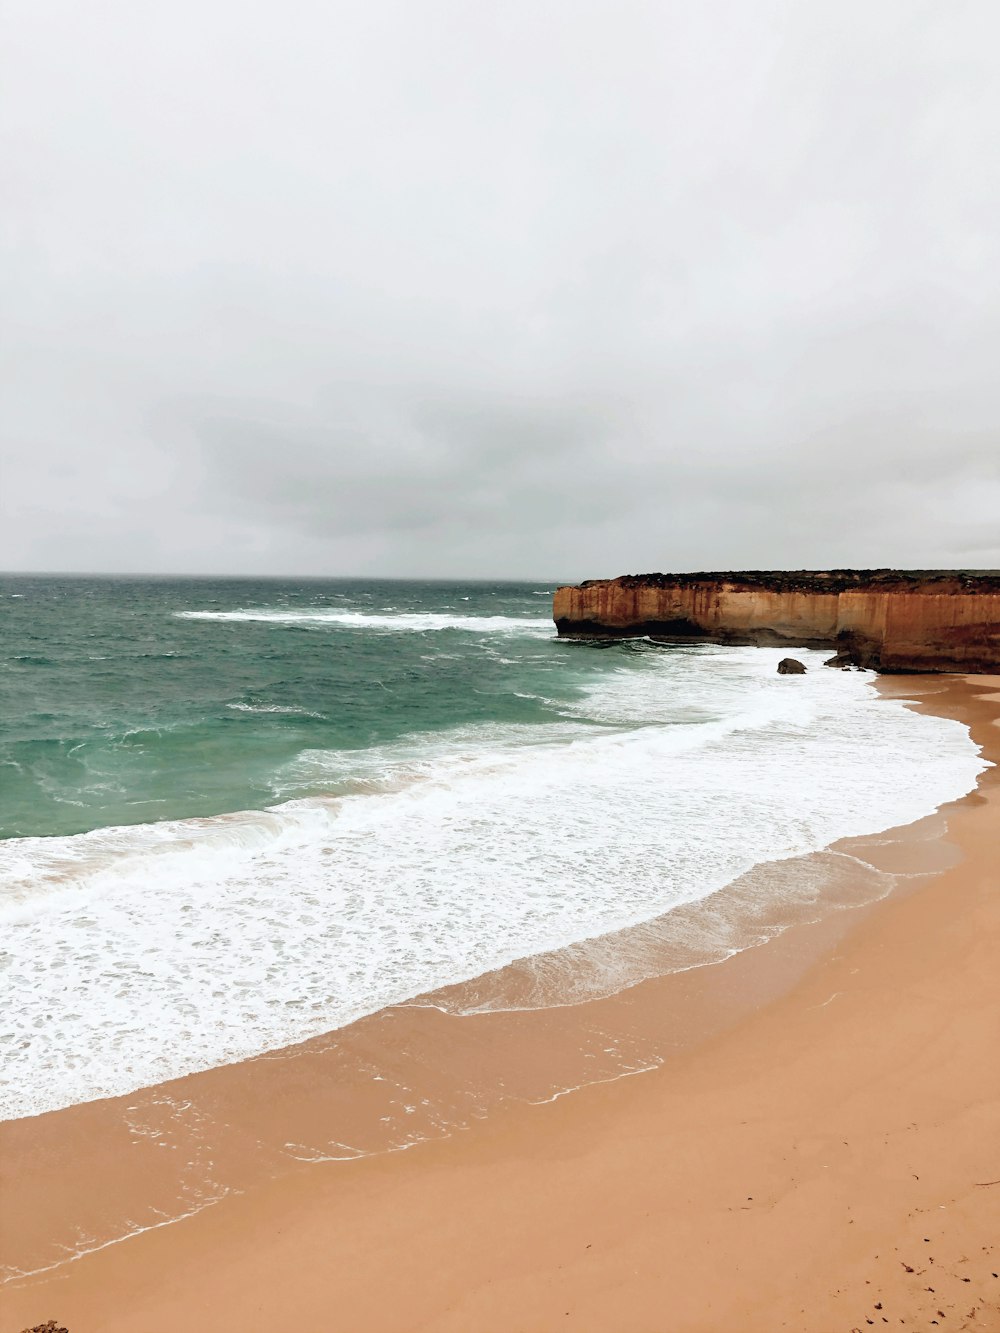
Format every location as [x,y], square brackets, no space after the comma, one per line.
[235,814]
[119,704]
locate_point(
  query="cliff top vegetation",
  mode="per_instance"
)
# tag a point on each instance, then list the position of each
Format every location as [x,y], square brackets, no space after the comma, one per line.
[941,581]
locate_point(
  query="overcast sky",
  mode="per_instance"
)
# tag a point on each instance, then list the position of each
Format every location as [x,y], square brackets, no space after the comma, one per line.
[541,288]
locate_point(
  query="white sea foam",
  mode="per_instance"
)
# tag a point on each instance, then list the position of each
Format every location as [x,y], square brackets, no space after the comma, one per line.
[288,711]
[399,622]
[137,954]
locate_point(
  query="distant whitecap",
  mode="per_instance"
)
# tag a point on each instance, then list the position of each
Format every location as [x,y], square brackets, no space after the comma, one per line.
[363,620]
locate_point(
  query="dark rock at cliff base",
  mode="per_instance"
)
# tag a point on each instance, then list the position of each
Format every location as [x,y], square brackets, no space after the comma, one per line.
[50,1327]
[791,666]
[843,662]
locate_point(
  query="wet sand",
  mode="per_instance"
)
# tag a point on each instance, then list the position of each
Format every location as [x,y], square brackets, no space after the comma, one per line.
[813,1142]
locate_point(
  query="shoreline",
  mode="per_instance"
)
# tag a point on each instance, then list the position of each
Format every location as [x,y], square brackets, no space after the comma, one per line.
[700,1020]
[569,832]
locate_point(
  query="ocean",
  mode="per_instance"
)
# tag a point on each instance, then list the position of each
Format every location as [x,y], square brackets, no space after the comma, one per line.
[238,813]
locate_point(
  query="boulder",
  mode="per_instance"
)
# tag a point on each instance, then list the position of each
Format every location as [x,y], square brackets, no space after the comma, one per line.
[791,666]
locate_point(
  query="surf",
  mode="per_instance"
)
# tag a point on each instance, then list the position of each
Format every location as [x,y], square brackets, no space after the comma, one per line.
[427,861]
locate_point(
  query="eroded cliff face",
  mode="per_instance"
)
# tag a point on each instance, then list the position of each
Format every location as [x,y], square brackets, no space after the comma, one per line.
[893,621]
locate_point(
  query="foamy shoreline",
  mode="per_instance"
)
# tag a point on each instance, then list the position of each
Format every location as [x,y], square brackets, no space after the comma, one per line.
[170,948]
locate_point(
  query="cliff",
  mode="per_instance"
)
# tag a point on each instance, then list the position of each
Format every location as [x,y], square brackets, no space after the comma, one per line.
[924,620]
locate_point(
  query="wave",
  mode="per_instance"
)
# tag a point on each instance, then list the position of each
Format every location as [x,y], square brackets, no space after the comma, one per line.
[419,622]
[289,711]
[165,948]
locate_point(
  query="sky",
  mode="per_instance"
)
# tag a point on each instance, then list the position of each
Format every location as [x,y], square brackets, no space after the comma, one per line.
[461,288]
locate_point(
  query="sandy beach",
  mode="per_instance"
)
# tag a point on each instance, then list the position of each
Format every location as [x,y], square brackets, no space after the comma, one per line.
[806,1136]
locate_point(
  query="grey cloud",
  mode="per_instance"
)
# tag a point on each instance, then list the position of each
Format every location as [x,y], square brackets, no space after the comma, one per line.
[407,467]
[541,289]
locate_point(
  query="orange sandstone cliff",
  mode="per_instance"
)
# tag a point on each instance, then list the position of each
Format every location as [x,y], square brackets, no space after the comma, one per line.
[934,620]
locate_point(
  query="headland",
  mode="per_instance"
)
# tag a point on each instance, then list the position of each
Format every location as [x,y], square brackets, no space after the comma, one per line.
[888,620]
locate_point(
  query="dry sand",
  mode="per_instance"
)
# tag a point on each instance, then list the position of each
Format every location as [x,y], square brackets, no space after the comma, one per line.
[820,1149]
